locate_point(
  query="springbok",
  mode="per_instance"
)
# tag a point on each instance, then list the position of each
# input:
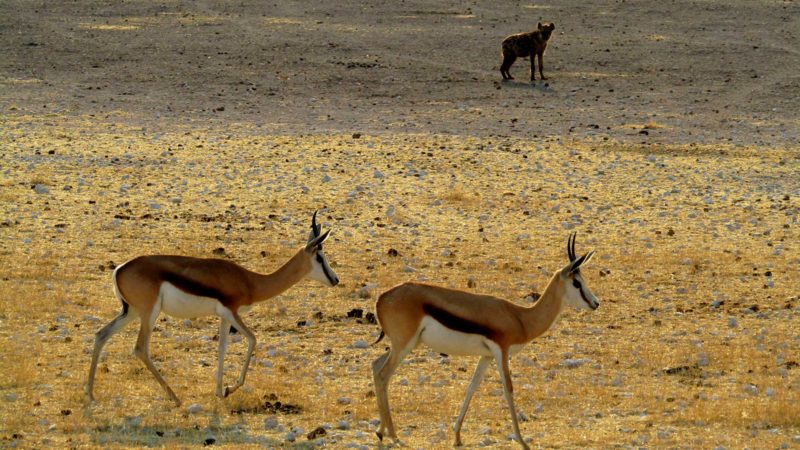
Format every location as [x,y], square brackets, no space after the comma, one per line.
[461,323]
[189,287]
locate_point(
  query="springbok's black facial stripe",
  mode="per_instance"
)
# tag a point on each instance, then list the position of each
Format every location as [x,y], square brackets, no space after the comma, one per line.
[577,285]
[321,262]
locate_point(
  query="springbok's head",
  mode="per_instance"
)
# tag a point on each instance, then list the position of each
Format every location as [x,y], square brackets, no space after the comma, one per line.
[576,292]
[320,269]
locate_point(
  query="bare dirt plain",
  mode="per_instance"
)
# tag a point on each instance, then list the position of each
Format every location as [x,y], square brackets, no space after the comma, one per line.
[666,136]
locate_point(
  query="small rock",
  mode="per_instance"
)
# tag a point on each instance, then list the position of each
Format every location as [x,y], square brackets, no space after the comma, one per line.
[270,423]
[438,437]
[751,389]
[360,344]
[290,436]
[732,322]
[575,362]
[10,397]
[343,425]
[343,400]
[367,290]
[40,189]
[194,408]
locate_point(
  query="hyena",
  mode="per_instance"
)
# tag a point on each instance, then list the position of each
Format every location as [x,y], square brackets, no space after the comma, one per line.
[521,45]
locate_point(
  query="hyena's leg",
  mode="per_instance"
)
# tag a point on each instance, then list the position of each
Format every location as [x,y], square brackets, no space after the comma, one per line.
[533,66]
[508,60]
[541,67]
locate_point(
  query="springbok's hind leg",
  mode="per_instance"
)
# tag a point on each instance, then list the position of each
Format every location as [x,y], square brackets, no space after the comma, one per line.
[477,377]
[142,351]
[100,340]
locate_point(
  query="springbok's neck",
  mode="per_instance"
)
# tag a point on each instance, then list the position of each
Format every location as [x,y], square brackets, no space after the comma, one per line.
[286,276]
[540,316]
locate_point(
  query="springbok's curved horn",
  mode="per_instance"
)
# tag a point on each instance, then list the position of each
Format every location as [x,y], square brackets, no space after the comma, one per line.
[571,246]
[314,227]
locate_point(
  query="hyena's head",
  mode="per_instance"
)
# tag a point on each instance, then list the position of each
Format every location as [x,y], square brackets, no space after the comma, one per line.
[546,29]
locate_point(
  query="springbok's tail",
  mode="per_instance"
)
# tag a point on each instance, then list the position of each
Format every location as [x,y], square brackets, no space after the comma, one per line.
[117,291]
[379,337]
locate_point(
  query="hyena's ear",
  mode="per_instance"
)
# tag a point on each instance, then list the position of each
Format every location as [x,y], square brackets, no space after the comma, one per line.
[552,26]
[539,26]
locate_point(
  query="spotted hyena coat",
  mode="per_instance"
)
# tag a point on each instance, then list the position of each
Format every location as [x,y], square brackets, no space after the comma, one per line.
[530,44]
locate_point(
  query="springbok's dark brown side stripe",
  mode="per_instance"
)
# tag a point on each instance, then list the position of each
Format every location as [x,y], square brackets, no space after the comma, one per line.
[190,286]
[456,323]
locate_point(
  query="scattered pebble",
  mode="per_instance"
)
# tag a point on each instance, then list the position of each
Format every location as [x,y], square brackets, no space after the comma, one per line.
[576,362]
[271,423]
[360,344]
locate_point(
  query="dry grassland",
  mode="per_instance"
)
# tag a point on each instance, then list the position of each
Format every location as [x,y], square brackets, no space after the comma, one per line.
[666,137]
[694,345]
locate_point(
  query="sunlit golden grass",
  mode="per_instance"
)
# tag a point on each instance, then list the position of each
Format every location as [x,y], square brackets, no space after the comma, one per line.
[694,344]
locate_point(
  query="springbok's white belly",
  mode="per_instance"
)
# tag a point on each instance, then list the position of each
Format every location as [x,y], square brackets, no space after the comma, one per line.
[445,340]
[177,303]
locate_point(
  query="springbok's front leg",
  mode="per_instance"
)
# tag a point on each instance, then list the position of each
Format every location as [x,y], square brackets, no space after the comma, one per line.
[251,345]
[480,370]
[501,357]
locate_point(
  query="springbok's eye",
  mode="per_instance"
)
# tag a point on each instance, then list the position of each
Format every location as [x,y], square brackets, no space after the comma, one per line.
[576,283]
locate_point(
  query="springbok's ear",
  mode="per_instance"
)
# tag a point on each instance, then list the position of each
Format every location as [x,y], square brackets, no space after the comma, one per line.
[315,244]
[576,265]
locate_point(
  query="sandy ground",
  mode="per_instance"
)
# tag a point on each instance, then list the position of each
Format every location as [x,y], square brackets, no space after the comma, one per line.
[681,71]
[666,135]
